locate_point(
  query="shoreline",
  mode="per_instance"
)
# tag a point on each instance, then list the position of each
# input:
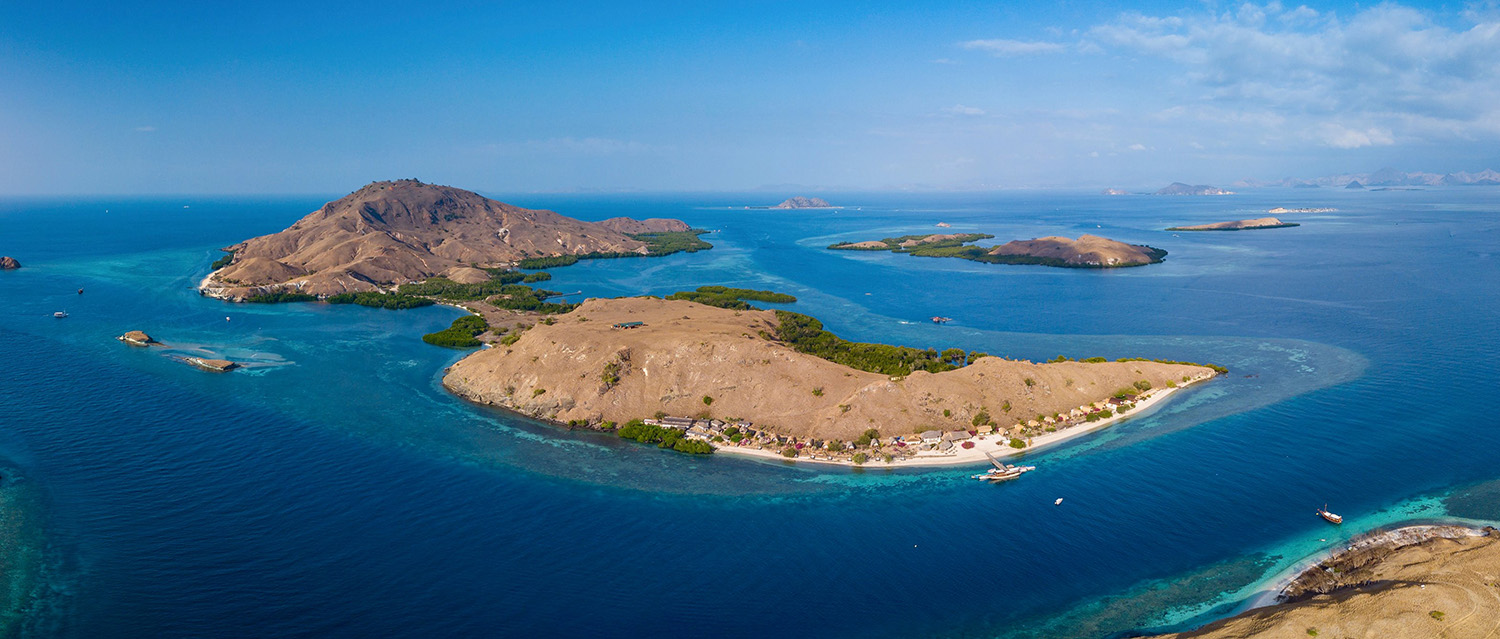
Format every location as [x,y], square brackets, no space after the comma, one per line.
[996,445]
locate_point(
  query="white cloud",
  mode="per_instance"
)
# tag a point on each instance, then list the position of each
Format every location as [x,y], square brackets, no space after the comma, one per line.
[1137,147]
[959,109]
[1002,48]
[1394,69]
[1340,137]
[943,61]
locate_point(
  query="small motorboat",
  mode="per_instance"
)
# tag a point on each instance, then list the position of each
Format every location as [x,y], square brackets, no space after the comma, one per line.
[60,314]
[1058,502]
[1332,518]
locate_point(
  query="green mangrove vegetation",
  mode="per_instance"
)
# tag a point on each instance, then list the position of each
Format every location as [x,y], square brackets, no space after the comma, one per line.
[462,334]
[669,438]
[380,300]
[657,245]
[731,298]
[806,335]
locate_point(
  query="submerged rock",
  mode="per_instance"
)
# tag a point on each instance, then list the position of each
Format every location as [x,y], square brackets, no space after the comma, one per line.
[138,338]
[8,263]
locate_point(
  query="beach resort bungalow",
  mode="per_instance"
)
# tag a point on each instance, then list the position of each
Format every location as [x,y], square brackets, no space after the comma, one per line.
[986,429]
[957,435]
[931,436]
[677,422]
[945,446]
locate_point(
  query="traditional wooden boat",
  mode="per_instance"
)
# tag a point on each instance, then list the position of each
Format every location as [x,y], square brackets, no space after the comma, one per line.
[1001,472]
[1332,518]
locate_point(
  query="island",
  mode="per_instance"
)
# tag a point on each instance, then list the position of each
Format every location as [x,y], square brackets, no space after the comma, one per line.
[138,338]
[1355,186]
[211,365]
[8,263]
[1238,225]
[775,384]
[1414,581]
[1088,251]
[395,232]
[1178,188]
[800,202]
[1280,209]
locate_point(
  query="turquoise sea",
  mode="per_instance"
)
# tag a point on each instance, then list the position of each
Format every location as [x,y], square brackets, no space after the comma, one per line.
[333,488]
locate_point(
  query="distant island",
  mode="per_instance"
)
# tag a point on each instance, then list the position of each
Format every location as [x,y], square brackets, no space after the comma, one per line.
[1178,188]
[1384,177]
[1088,251]
[800,202]
[1287,210]
[701,372]
[1237,225]
[391,233]
[1415,581]
[8,263]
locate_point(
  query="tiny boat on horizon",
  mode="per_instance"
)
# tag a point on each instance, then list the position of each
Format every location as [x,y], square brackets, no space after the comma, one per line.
[60,314]
[1332,518]
[941,320]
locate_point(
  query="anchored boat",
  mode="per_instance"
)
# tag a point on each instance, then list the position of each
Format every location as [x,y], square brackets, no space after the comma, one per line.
[1001,472]
[1332,518]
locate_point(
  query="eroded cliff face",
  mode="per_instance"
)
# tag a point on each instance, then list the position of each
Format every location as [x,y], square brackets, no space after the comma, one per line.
[388,233]
[582,367]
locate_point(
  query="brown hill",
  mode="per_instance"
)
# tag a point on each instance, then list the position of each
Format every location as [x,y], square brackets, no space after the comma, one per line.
[1237,225]
[1445,586]
[389,233]
[687,351]
[1087,250]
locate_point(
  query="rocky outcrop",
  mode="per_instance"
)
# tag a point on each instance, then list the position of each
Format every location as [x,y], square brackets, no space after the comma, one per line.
[8,263]
[389,233]
[1237,225]
[138,338]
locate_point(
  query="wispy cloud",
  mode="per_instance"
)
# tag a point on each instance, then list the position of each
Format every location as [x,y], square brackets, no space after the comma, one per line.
[145,129]
[1008,48]
[1391,68]
[961,110]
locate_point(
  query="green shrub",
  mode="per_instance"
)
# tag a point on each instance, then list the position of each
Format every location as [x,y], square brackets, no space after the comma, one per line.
[380,300]
[461,334]
[708,401]
[860,458]
[731,298]
[817,392]
[980,419]
[1017,443]
[222,262]
[806,335]
[1143,385]
[280,298]
[538,392]
[789,451]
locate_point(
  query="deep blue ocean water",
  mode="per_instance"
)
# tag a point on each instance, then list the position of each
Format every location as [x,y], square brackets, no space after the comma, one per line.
[333,488]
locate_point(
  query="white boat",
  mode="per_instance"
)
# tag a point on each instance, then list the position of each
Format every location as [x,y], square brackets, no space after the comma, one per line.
[1001,472]
[1330,517]
[60,314]
[1058,502]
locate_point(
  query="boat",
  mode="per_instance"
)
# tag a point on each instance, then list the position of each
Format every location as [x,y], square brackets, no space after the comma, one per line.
[1332,518]
[941,320]
[1001,472]
[60,314]
[1058,502]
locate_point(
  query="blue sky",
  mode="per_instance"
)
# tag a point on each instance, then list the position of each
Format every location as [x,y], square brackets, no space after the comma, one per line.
[264,97]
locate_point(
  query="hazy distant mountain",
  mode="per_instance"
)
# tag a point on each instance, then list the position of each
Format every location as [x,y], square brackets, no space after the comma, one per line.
[1384,177]
[1178,188]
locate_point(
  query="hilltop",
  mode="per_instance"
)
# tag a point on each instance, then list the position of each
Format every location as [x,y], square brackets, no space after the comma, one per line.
[393,232]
